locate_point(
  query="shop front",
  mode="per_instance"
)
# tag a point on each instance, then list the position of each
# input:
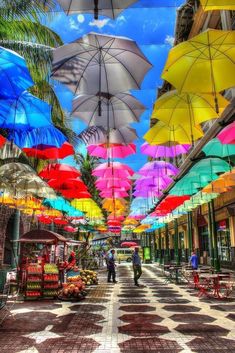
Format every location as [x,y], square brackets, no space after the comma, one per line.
[224,241]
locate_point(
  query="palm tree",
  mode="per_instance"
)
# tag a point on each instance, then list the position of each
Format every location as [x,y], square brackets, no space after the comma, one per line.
[21,30]
[86,164]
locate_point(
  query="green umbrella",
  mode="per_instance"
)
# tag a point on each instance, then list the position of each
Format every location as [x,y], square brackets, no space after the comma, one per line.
[211,166]
[217,149]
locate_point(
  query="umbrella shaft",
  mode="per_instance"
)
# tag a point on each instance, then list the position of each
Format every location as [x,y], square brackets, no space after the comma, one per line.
[96,10]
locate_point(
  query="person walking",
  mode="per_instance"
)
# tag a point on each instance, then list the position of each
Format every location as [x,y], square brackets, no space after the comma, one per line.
[111,267]
[136,261]
[194,260]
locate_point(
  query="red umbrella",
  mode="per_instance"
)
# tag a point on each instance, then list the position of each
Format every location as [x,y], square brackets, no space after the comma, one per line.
[114,223]
[2,140]
[75,194]
[60,221]
[128,244]
[169,204]
[50,152]
[70,229]
[55,170]
[68,184]
[44,219]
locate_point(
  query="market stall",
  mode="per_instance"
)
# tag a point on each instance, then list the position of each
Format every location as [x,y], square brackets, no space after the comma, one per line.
[39,263]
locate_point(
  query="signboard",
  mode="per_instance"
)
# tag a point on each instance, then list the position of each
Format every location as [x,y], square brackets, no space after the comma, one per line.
[147,253]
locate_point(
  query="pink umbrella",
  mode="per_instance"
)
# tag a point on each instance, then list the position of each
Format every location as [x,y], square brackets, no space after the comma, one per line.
[161,182]
[227,135]
[70,229]
[137,216]
[113,169]
[113,193]
[157,168]
[114,150]
[128,244]
[102,184]
[164,151]
[114,217]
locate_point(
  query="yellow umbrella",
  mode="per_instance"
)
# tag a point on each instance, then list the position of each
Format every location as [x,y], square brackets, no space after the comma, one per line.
[191,108]
[85,205]
[210,5]
[141,228]
[114,204]
[130,221]
[161,133]
[204,63]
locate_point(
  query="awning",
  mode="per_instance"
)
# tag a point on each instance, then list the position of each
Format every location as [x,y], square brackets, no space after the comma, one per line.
[42,236]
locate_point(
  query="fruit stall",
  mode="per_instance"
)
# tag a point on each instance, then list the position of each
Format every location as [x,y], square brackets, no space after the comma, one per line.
[40,269]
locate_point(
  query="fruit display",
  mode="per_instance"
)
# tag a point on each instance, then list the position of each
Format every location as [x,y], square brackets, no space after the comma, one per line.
[89,277]
[51,268]
[51,277]
[34,281]
[34,269]
[50,292]
[73,290]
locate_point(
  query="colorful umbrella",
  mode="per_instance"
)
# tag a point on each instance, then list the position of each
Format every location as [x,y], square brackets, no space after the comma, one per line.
[123,135]
[36,138]
[55,170]
[68,184]
[211,166]
[60,221]
[217,149]
[109,8]
[161,133]
[113,193]
[160,182]
[158,168]
[211,5]
[24,113]
[14,74]
[50,152]
[175,108]
[113,169]
[112,150]
[227,135]
[204,63]
[89,64]
[157,151]
[9,150]
[75,194]
[128,244]
[112,111]
[108,183]
[70,229]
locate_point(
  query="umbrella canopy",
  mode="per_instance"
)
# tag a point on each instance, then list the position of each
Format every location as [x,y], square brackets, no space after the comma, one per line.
[107,110]
[211,5]
[128,244]
[47,152]
[9,150]
[70,229]
[160,182]
[204,63]
[157,151]
[68,184]
[14,74]
[227,135]
[36,138]
[161,133]
[89,64]
[113,169]
[173,108]
[157,168]
[109,8]
[24,112]
[111,204]
[13,168]
[217,149]
[123,135]
[147,192]
[114,150]
[55,170]
[74,193]
[211,166]
[108,183]
[114,193]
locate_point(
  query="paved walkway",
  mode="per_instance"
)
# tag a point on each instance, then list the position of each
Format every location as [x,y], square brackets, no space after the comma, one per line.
[122,318]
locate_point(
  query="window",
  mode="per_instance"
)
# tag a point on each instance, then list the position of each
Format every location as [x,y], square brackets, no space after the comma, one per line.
[224,241]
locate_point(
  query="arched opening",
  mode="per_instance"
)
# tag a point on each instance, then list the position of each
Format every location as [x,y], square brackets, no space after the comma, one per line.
[9,256]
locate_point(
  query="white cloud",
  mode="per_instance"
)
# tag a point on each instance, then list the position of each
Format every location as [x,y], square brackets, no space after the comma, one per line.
[99,23]
[121,19]
[80,18]
[169,40]
[73,24]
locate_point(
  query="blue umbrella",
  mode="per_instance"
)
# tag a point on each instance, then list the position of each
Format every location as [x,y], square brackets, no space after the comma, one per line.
[47,136]
[14,74]
[62,205]
[24,113]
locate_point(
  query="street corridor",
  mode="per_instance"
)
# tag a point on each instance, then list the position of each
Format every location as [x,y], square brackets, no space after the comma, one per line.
[155,317]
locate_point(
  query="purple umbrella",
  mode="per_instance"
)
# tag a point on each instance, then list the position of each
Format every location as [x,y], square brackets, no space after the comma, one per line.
[158,168]
[147,192]
[157,151]
[161,182]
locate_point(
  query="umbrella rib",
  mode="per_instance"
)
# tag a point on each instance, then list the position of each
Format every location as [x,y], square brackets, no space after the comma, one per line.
[129,107]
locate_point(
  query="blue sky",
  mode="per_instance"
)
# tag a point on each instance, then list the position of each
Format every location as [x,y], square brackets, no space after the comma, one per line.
[151,24]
